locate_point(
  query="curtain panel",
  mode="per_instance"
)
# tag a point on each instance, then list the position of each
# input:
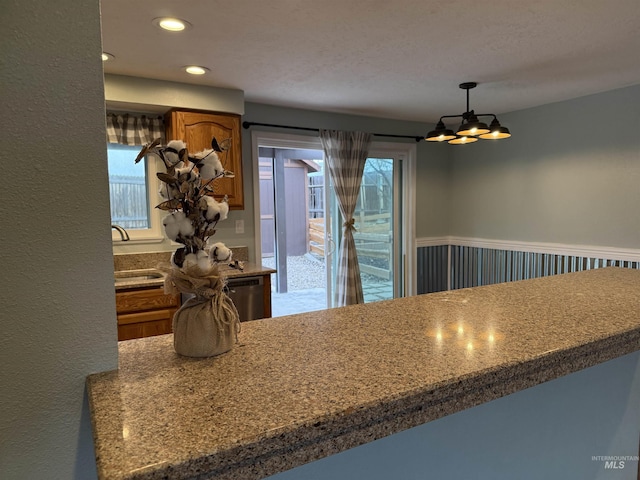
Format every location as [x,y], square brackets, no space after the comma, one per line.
[346,154]
[128,129]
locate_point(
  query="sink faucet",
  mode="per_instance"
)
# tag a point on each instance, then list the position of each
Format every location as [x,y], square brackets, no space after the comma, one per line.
[123,233]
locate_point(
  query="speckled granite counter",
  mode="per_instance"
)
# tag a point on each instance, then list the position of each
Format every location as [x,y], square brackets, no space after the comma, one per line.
[302,387]
[128,279]
[135,261]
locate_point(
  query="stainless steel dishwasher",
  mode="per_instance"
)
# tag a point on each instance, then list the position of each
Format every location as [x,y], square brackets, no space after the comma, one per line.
[247,294]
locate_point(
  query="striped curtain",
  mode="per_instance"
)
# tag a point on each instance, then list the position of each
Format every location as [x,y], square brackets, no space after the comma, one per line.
[129,129]
[346,154]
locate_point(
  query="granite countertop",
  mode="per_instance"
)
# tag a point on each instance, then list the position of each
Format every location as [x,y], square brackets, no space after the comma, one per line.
[299,388]
[131,268]
[135,278]
[249,270]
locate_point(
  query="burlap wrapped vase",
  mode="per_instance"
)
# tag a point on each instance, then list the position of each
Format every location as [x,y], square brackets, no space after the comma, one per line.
[207,324]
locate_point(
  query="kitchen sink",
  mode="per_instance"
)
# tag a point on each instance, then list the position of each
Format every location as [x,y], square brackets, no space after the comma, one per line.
[127,276]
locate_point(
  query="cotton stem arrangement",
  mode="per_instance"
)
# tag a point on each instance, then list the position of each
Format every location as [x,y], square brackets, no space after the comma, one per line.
[187,193]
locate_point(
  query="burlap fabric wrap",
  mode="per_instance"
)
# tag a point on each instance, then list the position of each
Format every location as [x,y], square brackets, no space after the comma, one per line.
[207,324]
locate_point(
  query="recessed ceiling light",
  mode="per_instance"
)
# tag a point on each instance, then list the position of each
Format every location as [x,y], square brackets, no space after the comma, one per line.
[107,56]
[196,70]
[171,24]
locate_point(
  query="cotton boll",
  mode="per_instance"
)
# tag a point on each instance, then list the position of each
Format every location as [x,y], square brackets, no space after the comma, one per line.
[203,260]
[172,225]
[190,260]
[187,174]
[199,259]
[207,172]
[212,209]
[171,231]
[176,224]
[185,226]
[204,264]
[210,165]
[224,209]
[180,164]
[219,253]
[172,158]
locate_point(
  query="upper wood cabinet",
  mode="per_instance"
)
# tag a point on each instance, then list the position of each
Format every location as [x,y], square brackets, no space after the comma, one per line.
[197,129]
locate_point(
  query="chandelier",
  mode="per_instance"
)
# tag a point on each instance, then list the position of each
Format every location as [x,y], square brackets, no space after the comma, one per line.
[470,128]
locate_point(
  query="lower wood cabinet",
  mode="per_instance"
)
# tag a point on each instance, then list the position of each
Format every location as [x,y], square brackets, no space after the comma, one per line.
[145,312]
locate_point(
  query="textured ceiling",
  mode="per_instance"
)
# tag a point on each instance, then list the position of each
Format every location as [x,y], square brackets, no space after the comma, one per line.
[397,59]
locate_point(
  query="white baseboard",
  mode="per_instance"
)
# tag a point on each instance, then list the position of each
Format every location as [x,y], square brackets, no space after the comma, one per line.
[432,241]
[590,251]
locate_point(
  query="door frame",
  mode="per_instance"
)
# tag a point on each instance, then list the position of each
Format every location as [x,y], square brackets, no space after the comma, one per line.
[408,153]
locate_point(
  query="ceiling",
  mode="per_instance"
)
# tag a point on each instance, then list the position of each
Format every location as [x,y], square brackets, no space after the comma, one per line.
[399,59]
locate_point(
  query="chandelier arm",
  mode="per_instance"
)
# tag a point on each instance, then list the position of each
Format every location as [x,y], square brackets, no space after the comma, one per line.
[451,116]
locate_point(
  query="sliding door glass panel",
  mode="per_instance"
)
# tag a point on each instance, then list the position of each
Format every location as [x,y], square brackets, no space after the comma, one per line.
[374,221]
[377,236]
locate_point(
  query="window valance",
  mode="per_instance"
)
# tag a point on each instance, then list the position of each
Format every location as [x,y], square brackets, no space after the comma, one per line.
[129,129]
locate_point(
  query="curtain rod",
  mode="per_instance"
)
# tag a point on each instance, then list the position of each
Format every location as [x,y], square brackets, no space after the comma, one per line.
[246,125]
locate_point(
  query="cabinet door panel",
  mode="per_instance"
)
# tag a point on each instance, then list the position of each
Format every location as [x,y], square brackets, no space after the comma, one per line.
[144,299]
[197,129]
[145,329]
[145,312]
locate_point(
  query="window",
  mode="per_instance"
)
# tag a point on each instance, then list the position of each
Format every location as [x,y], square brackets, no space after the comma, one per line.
[133,193]
[133,187]
[128,190]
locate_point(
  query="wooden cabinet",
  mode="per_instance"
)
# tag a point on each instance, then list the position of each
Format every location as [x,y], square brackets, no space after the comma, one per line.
[144,312]
[197,129]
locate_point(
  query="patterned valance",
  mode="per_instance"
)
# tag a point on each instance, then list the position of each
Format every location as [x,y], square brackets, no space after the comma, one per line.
[128,129]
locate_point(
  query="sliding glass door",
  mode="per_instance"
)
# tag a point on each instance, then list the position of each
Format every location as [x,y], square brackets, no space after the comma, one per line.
[299,222]
[379,227]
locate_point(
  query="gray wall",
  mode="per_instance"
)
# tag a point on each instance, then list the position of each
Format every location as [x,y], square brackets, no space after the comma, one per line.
[58,306]
[433,189]
[570,174]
